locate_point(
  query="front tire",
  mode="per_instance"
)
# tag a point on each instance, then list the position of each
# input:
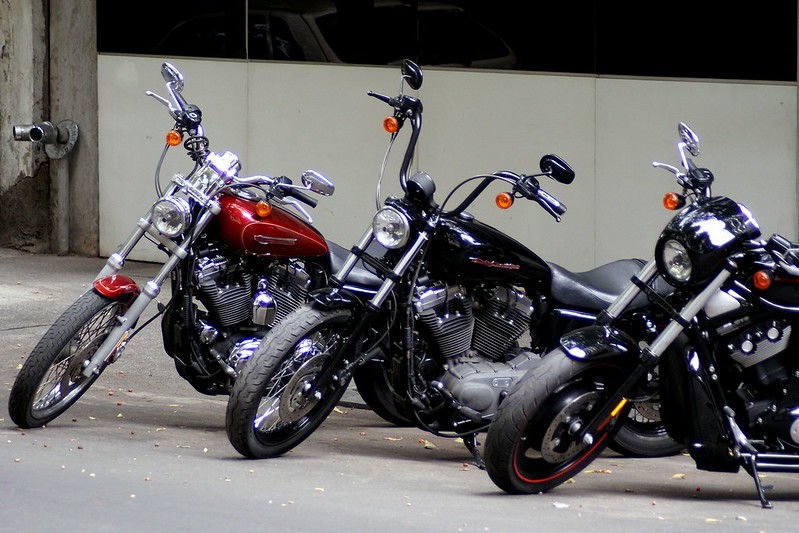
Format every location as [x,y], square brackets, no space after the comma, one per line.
[269,411]
[51,379]
[532,443]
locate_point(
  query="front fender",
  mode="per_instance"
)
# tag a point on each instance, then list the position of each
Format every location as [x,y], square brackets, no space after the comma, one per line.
[116,285]
[334,298]
[600,343]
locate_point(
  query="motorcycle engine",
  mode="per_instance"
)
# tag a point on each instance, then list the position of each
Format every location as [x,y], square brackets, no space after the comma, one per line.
[242,304]
[769,382]
[473,335]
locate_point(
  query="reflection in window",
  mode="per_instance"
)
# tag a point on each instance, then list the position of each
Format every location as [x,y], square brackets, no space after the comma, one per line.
[630,38]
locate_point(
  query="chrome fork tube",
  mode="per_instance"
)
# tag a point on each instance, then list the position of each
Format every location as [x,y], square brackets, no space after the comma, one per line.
[691,309]
[647,272]
[119,334]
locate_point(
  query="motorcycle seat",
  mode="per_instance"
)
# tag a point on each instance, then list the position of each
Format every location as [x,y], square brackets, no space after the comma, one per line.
[360,275]
[596,289]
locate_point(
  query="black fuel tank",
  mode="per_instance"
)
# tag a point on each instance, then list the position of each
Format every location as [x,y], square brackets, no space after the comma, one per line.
[467,251]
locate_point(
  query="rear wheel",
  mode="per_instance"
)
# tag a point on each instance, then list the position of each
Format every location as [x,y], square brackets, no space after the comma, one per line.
[51,379]
[373,387]
[644,434]
[274,404]
[533,443]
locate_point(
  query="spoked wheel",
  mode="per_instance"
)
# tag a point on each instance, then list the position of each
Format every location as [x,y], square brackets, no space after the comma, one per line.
[274,404]
[533,444]
[51,379]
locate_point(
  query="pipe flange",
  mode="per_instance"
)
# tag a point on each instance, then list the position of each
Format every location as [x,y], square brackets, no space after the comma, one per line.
[57,150]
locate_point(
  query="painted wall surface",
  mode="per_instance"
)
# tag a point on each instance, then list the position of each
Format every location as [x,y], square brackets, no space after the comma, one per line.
[283,118]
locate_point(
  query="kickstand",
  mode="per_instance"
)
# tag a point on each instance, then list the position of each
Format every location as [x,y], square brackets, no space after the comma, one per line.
[471,445]
[750,465]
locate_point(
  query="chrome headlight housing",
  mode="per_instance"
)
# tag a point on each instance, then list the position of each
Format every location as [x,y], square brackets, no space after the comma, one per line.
[391,228]
[171,216]
[676,261]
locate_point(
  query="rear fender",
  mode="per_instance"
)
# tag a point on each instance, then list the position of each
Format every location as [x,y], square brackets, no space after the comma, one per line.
[117,285]
[601,343]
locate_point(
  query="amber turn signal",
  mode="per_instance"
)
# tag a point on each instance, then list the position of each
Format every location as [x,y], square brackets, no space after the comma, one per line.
[263,208]
[673,201]
[391,124]
[174,138]
[504,200]
[761,280]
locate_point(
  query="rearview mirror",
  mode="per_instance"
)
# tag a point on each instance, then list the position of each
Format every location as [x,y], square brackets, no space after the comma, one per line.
[689,138]
[317,183]
[557,169]
[172,76]
[412,73]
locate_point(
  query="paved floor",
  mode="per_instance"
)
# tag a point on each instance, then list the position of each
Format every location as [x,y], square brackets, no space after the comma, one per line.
[144,451]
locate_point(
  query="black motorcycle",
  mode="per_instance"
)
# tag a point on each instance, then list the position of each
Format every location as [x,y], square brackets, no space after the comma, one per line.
[729,378]
[430,326]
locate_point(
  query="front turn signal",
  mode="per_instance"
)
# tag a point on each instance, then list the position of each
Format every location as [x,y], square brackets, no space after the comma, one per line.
[174,138]
[391,124]
[761,280]
[504,200]
[673,201]
[263,208]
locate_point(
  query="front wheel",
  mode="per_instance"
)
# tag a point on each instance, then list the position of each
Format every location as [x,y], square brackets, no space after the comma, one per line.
[51,379]
[533,443]
[275,403]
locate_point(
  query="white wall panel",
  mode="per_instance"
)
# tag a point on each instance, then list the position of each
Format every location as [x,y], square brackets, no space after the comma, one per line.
[283,118]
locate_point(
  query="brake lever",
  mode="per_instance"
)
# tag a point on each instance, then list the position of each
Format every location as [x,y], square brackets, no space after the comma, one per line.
[296,205]
[173,111]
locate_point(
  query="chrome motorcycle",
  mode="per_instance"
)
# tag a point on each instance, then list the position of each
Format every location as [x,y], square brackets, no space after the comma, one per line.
[237,261]
[729,376]
[433,329]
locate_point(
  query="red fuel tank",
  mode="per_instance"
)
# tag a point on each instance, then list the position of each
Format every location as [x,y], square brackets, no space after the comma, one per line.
[277,235]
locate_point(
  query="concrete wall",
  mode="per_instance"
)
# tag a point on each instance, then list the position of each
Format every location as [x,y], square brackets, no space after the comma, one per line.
[48,72]
[24,90]
[282,118]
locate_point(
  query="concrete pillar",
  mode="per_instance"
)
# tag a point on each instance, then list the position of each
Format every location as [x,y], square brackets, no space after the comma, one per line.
[24,90]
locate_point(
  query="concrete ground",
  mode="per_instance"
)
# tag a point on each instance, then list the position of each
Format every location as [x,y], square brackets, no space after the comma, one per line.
[143,451]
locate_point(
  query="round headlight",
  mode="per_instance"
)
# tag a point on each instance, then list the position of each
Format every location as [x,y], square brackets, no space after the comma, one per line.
[391,228]
[171,216]
[676,261]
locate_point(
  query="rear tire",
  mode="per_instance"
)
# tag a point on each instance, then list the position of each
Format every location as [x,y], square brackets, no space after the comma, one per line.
[51,379]
[372,385]
[644,434]
[268,412]
[531,444]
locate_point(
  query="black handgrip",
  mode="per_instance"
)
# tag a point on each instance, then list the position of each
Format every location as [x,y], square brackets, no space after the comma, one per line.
[302,197]
[551,205]
[381,97]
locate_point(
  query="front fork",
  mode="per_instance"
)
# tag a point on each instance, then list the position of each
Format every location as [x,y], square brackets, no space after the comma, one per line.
[650,355]
[114,343]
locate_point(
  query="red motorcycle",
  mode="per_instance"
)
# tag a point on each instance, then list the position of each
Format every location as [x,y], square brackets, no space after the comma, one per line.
[237,261]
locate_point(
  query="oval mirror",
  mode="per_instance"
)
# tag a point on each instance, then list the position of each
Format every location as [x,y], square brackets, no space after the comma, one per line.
[556,168]
[318,183]
[689,138]
[412,73]
[172,76]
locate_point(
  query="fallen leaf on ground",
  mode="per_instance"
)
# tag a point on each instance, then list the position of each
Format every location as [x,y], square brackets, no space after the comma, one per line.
[560,505]
[600,471]
[678,476]
[392,439]
[427,444]
[339,410]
